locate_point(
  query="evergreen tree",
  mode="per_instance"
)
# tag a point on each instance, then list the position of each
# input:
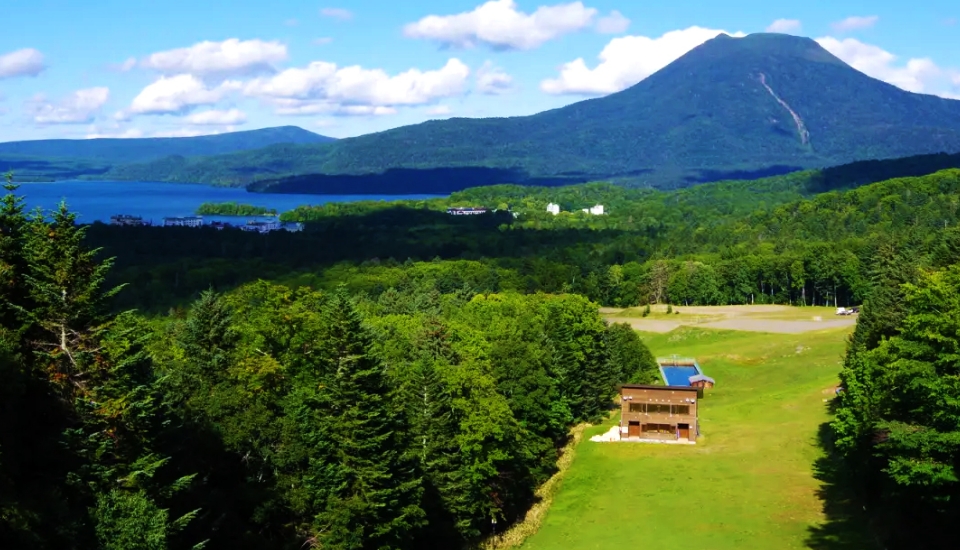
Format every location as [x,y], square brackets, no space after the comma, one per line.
[375,501]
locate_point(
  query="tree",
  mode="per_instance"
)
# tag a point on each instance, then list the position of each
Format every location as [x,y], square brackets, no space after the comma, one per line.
[375,500]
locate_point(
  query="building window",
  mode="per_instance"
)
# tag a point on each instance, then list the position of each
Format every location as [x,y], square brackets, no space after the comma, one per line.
[658,408]
[637,407]
[681,409]
[658,428]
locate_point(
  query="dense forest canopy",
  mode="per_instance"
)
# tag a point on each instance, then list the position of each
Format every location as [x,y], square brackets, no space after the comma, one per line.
[397,377]
[271,417]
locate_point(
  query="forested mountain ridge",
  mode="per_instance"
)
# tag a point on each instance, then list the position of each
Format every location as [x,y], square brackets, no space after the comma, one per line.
[76,157]
[730,108]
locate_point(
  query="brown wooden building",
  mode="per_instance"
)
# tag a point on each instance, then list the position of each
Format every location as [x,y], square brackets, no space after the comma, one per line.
[661,413]
[701,381]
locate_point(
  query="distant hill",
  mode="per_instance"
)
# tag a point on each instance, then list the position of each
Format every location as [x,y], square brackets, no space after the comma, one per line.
[731,108]
[73,157]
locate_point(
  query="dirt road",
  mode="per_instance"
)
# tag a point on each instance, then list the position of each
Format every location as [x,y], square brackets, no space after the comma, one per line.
[755,318]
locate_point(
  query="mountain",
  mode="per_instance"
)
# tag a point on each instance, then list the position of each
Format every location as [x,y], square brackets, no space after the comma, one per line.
[95,156]
[730,108]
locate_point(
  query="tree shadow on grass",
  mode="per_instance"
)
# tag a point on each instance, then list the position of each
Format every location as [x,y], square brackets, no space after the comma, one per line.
[847,524]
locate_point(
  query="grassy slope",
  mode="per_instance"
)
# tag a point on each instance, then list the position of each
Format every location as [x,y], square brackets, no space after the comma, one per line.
[749,483]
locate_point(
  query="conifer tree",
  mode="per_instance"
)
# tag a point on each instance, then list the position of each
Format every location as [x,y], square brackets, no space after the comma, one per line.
[375,500]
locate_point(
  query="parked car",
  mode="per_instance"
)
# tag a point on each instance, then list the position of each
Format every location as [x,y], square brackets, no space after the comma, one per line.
[847,311]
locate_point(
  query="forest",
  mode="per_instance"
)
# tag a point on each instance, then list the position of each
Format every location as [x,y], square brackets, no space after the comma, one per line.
[233,209]
[273,417]
[396,377]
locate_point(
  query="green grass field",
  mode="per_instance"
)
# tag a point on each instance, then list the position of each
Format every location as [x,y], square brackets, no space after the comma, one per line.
[748,483]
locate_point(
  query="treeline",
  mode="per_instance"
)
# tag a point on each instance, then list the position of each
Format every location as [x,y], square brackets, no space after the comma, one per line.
[272,417]
[704,246]
[233,209]
[897,424]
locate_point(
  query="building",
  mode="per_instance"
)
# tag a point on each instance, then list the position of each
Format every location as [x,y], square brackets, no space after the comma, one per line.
[553,208]
[466,210]
[261,226]
[292,226]
[659,413]
[595,210]
[701,381]
[183,221]
[124,219]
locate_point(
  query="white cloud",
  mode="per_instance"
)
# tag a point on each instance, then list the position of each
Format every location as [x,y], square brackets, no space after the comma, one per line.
[784,26]
[178,94]
[94,132]
[80,107]
[855,22]
[323,40]
[128,65]
[354,85]
[493,80]
[337,13]
[25,62]
[217,118]
[627,60]
[499,24]
[305,107]
[192,132]
[439,110]
[920,75]
[615,23]
[230,57]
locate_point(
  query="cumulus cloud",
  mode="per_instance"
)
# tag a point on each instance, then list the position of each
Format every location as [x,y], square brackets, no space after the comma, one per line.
[24,62]
[615,23]
[855,22]
[324,82]
[95,132]
[80,107]
[784,26]
[214,117]
[919,75]
[192,132]
[439,110]
[179,94]
[499,24]
[493,80]
[306,107]
[627,60]
[230,57]
[337,13]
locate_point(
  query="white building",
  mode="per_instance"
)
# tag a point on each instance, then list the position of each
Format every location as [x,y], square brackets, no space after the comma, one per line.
[183,221]
[553,208]
[596,210]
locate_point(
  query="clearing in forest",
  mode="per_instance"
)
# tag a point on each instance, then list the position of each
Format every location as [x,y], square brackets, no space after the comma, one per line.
[749,483]
[756,318]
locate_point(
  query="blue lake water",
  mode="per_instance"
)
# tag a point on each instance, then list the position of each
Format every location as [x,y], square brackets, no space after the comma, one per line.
[678,376]
[98,200]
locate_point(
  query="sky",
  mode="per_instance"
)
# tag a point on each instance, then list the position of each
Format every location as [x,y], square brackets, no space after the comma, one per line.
[133,68]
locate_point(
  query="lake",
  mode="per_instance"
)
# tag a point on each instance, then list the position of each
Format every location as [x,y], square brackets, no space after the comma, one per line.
[98,200]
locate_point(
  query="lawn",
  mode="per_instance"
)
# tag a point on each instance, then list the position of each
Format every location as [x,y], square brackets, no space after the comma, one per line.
[748,483]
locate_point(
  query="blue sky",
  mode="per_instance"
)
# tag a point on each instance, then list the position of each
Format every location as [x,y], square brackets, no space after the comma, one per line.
[134,68]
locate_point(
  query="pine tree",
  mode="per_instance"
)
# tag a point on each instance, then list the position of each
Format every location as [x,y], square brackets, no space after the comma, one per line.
[375,503]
